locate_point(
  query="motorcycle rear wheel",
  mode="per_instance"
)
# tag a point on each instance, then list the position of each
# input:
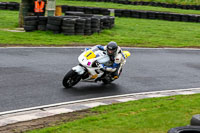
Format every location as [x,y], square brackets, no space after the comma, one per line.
[71,79]
[106,81]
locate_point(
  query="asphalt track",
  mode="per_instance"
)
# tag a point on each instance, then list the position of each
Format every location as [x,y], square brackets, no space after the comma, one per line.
[32,77]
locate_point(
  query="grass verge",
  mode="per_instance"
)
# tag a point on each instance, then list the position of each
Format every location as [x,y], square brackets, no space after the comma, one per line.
[127,32]
[155,115]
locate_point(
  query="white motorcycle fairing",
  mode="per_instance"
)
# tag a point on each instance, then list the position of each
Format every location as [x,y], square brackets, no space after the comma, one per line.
[79,69]
[88,63]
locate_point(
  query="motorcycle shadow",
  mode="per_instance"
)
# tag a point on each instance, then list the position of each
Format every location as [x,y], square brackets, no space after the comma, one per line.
[93,88]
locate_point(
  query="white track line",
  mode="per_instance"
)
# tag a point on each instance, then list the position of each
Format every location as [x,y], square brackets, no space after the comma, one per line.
[93,99]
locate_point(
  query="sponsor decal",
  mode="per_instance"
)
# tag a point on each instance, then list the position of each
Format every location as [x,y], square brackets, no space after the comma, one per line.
[89,63]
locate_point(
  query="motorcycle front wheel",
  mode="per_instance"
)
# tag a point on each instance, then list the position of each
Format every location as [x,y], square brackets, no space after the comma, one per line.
[71,79]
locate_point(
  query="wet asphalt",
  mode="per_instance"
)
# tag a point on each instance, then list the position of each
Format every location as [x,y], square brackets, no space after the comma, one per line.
[32,77]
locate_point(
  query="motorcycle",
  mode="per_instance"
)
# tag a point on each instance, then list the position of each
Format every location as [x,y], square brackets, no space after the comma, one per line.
[89,68]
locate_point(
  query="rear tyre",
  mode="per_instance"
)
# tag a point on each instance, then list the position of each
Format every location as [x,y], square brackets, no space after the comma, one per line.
[71,79]
[107,79]
[195,121]
[185,129]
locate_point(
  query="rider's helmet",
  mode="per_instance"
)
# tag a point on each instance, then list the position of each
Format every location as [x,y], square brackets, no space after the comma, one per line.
[112,48]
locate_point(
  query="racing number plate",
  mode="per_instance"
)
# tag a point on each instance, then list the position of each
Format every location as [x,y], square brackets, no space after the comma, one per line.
[89,55]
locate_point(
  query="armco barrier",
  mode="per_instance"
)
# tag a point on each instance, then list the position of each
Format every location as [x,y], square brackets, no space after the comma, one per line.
[157,15]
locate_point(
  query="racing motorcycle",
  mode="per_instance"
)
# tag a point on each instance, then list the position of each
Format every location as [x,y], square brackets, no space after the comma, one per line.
[89,68]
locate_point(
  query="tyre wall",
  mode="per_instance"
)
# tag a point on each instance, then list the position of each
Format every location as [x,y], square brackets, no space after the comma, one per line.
[157,4]
[9,6]
[157,15]
[86,10]
[15,5]
[73,24]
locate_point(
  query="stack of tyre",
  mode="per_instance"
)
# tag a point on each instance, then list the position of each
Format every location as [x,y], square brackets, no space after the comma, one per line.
[95,24]
[68,26]
[80,26]
[54,24]
[42,22]
[88,30]
[86,10]
[84,24]
[194,126]
[108,22]
[30,23]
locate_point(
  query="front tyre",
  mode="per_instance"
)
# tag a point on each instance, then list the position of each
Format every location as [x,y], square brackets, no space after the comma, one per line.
[71,79]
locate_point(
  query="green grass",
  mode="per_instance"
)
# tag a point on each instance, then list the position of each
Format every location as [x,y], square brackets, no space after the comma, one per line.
[8,19]
[155,115]
[127,32]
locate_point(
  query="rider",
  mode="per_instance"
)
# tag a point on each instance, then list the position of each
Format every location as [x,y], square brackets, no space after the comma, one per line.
[116,56]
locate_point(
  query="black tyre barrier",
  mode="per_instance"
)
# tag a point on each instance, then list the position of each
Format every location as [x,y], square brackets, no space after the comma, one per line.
[42,22]
[15,6]
[29,18]
[185,129]
[30,28]
[53,27]
[157,4]
[195,121]
[86,10]
[32,23]
[9,5]
[157,15]
[82,24]
[41,27]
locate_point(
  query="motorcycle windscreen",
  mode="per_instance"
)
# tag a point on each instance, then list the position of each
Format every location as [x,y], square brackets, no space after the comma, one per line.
[90,55]
[103,60]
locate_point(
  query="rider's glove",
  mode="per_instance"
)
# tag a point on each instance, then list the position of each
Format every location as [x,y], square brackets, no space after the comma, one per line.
[102,67]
